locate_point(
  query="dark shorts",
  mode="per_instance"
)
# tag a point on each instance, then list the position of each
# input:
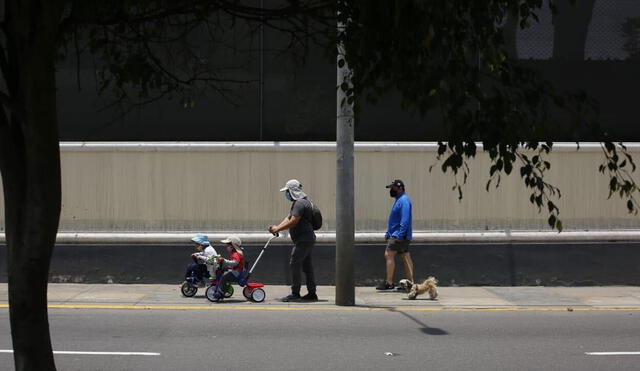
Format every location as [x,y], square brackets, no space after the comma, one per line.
[399,246]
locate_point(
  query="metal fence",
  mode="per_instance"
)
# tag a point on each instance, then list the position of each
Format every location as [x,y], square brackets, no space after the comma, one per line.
[612,30]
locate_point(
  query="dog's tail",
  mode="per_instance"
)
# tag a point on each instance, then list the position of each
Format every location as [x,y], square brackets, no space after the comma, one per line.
[432,287]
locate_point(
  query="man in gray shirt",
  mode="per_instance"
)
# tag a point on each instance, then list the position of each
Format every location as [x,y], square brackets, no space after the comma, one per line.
[299,222]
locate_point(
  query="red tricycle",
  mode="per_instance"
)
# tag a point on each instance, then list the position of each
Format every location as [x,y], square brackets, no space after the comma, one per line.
[252,290]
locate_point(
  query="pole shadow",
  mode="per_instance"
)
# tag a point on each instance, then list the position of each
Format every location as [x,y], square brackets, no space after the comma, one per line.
[424,328]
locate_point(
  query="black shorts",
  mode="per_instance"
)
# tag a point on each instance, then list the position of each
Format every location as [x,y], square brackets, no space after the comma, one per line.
[399,246]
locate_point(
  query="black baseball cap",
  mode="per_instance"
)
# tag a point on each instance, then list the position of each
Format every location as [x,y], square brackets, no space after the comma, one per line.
[397,183]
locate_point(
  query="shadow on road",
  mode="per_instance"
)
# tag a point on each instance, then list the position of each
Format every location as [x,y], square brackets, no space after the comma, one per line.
[425,328]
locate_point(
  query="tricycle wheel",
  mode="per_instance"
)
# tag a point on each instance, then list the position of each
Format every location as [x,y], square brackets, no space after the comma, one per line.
[211,294]
[228,292]
[188,290]
[258,295]
[247,293]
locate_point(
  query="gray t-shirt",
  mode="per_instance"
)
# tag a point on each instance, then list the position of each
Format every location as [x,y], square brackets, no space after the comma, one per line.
[303,231]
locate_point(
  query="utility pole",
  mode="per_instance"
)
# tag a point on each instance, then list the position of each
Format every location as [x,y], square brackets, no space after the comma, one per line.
[345,214]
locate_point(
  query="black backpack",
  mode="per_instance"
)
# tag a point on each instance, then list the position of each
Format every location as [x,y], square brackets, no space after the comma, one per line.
[316,217]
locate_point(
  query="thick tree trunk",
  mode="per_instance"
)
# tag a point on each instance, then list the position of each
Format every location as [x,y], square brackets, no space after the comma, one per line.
[571,26]
[30,166]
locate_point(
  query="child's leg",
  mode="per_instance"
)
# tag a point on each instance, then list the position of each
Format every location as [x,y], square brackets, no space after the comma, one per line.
[191,269]
[229,276]
[199,270]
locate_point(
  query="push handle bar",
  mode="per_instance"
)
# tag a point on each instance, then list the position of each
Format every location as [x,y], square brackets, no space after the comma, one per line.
[275,235]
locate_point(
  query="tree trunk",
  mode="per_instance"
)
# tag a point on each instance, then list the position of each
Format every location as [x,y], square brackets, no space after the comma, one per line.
[30,166]
[571,26]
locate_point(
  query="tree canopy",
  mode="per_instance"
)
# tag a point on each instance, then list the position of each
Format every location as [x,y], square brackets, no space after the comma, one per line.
[452,57]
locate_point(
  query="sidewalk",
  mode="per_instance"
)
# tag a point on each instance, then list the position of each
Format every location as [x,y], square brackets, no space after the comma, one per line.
[115,296]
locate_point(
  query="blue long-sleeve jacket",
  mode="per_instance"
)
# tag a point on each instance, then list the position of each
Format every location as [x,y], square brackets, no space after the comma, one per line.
[400,219]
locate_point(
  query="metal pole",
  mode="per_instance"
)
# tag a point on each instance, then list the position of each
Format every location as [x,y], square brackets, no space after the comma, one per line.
[345,218]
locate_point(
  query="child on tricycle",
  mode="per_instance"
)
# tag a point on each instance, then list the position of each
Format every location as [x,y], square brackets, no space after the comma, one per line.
[230,269]
[199,272]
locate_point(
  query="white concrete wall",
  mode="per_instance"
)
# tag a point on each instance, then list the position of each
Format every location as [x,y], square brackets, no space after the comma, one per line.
[220,187]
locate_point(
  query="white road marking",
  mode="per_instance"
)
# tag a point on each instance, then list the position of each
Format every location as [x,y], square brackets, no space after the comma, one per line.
[612,353]
[95,353]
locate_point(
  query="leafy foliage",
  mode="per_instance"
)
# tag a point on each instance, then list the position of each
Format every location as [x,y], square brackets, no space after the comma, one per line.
[146,50]
[449,56]
[445,56]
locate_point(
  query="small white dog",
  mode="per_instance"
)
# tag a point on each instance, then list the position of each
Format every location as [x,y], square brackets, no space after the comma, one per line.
[414,289]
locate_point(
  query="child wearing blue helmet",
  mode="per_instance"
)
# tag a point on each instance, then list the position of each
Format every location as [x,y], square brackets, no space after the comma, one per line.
[204,251]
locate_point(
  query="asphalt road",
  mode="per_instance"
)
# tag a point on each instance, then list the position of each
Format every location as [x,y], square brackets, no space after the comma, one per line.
[339,339]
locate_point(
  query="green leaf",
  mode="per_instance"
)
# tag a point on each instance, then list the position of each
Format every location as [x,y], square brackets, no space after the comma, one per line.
[508,166]
[442,148]
[633,165]
[552,221]
[613,184]
[609,146]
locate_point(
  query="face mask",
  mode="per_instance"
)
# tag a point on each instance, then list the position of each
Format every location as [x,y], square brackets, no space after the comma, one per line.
[287,195]
[393,193]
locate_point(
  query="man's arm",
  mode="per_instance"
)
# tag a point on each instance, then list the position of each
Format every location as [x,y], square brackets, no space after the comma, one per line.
[287,223]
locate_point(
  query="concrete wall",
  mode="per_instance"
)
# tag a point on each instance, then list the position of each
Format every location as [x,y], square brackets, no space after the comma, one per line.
[220,187]
[510,264]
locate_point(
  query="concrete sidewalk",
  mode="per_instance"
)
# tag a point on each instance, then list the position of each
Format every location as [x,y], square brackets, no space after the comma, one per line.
[111,296]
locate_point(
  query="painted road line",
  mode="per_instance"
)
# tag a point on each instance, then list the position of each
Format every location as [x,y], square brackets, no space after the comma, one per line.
[612,353]
[95,353]
[338,308]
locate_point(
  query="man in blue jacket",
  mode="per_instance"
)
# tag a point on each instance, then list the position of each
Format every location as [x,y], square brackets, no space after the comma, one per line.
[399,234]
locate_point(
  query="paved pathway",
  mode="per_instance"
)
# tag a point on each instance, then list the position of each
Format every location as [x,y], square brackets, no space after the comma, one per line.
[367,298]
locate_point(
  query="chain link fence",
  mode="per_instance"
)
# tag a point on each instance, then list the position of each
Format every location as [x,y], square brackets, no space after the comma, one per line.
[612,31]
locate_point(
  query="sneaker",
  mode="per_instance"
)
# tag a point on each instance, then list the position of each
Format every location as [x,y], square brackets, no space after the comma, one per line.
[310,297]
[385,286]
[291,297]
